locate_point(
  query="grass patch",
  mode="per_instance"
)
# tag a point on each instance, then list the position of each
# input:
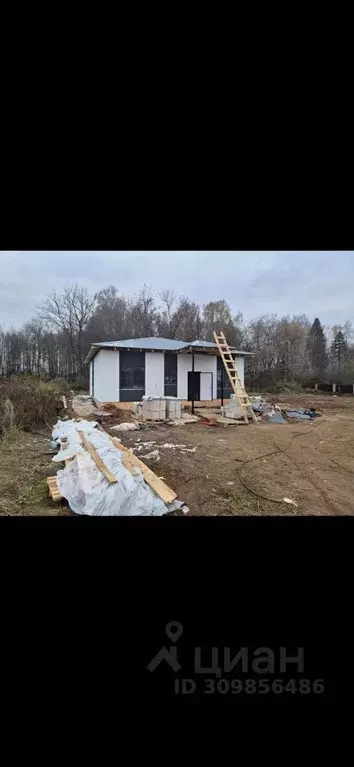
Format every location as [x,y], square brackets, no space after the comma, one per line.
[34,495]
[34,403]
[24,468]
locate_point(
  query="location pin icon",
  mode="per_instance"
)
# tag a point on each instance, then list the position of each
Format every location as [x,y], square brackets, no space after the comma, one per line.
[174,630]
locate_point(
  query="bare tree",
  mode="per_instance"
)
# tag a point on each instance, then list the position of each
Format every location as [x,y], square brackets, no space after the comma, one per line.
[217,317]
[55,342]
[143,314]
[168,299]
[69,313]
[110,320]
[186,322]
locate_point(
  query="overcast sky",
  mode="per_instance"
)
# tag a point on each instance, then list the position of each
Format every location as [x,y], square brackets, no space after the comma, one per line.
[315,283]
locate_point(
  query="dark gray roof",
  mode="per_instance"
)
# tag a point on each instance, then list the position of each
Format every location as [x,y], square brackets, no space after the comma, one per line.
[158,344]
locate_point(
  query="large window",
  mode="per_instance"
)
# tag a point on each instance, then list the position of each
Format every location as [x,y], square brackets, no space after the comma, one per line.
[226,388]
[132,378]
[170,375]
[170,369]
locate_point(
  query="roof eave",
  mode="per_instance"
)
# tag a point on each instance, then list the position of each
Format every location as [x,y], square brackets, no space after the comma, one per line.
[95,348]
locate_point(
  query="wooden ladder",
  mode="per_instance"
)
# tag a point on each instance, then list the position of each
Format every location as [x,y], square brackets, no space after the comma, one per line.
[235,380]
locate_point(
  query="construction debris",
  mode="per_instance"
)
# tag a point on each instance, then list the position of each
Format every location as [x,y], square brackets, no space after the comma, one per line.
[281,413]
[185,418]
[154,454]
[258,404]
[169,445]
[277,418]
[155,483]
[103,477]
[131,426]
[233,409]
[302,415]
[83,405]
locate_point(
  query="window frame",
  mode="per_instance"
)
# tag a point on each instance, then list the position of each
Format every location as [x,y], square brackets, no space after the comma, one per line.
[130,371]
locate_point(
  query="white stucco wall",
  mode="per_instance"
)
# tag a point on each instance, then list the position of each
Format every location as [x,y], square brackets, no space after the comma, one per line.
[155,373]
[202,364]
[240,366]
[90,389]
[106,382]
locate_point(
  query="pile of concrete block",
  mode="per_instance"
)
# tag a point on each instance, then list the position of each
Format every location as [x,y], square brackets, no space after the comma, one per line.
[154,410]
[173,408]
[160,408]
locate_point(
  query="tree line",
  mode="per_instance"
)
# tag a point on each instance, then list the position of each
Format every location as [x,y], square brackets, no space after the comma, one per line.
[288,350]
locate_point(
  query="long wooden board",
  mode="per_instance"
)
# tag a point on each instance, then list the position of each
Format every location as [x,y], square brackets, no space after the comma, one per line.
[98,461]
[131,461]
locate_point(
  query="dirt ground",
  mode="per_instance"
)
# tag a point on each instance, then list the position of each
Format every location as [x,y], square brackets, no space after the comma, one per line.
[234,470]
[243,470]
[24,468]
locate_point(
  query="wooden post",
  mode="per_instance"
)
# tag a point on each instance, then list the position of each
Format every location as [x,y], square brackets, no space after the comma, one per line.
[334,388]
[316,387]
[192,381]
[222,383]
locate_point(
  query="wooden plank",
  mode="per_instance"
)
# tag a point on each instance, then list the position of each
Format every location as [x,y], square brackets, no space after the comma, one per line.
[205,403]
[129,464]
[53,488]
[64,402]
[117,443]
[128,457]
[159,487]
[98,461]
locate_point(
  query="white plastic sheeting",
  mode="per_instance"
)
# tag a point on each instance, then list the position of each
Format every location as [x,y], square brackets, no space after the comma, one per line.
[85,487]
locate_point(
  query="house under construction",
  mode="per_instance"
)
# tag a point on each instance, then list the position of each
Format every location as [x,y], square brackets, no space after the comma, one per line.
[125,371]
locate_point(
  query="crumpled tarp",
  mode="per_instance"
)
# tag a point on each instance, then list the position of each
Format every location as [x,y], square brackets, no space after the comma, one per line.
[274,412]
[87,489]
[258,404]
[303,415]
[277,418]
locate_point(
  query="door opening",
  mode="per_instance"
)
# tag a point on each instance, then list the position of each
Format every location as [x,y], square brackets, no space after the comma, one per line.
[206,386]
[193,386]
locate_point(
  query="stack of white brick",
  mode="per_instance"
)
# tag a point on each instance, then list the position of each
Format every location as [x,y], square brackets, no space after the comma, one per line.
[174,408]
[154,410]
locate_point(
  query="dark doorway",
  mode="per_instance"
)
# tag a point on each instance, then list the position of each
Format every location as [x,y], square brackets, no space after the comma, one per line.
[193,386]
